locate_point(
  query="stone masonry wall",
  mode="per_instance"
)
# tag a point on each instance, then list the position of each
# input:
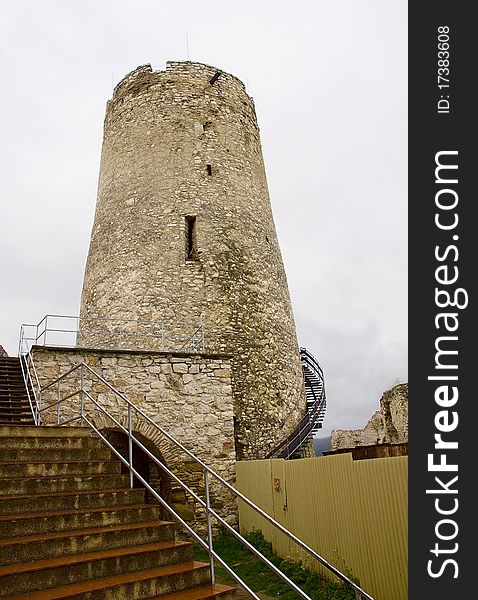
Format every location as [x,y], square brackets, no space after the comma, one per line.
[190,396]
[178,144]
[388,425]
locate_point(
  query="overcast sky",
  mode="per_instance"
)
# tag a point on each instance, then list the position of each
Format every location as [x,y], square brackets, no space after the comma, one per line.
[329,82]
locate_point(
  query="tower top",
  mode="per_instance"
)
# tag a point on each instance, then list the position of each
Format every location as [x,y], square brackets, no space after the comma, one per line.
[144,77]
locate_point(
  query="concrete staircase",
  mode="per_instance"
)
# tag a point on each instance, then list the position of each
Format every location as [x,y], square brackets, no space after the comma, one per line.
[14,405]
[70,527]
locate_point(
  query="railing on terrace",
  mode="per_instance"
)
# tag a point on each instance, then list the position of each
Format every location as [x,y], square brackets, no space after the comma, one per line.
[65,331]
[83,401]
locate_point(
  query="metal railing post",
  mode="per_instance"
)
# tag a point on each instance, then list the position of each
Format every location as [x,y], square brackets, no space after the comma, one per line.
[40,404]
[130,446]
[58,405]
[209,527]
[82,395]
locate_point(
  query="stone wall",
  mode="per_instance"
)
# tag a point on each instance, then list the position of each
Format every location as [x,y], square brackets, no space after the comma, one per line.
[188,395]
[184,231]
[388,425]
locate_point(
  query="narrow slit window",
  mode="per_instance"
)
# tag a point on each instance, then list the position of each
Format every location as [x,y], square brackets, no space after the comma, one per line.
[191,247]
[209,170]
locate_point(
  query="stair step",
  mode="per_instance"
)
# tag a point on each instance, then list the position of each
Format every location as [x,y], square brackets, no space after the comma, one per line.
[8,415]
[45,432]
[18,400]
[46,485]
[58,469]
[14,505]
[74,568]
[50,442]
[13,414]
[141,584]
[62,543]
[53,454]
[72,520]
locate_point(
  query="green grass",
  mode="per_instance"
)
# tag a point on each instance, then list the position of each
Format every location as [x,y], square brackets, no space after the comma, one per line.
[261,579]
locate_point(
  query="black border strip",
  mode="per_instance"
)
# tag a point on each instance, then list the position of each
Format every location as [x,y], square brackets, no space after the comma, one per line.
[432,132]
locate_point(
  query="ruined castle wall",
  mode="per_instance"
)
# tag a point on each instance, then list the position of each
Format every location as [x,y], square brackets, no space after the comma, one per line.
[188,395]
[184,231]
[389,425]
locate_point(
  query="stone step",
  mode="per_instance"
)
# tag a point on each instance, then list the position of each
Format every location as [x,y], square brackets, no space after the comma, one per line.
[13,399]
[64,520]
[58,469]
[11,383]
[87,566]
[45,432]
[53,454]
[149,583]
[47,486]
[22,549]
[14,396]
[15,505]
[59,442]
[16,420]
[15,411]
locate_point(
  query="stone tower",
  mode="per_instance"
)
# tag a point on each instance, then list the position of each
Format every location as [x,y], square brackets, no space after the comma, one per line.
[184,231]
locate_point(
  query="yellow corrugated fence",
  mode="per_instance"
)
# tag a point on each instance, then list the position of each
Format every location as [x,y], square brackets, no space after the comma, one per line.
[354,513]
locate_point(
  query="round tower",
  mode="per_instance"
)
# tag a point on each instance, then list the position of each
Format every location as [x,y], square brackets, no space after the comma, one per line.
[184,231]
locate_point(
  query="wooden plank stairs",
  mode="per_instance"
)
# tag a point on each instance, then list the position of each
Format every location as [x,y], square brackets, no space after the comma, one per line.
[71,528]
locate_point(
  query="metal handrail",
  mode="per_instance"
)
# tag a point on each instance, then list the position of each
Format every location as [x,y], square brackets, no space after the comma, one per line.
[131,409]
[160,331]
[31,382]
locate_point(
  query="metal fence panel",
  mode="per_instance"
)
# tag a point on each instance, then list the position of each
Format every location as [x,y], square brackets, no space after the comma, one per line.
[354,513]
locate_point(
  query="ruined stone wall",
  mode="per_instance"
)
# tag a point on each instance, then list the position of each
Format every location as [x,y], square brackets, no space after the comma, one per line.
[388,425]
[190,396]
[185,143]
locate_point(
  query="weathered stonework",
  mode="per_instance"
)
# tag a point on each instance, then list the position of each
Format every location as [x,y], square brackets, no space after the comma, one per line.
[184,231]
[190,396]
[388,425]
